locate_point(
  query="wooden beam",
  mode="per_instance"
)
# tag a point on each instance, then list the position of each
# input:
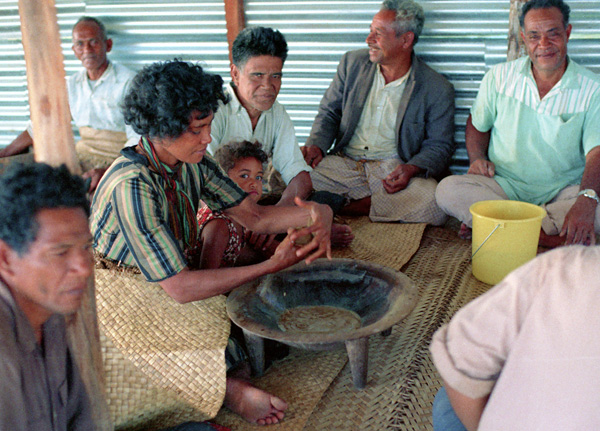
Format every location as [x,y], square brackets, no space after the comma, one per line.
[48,98]
[54,144]
[515,44]
[235,20]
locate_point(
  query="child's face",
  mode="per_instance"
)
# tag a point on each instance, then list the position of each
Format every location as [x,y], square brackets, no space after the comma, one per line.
[248,174]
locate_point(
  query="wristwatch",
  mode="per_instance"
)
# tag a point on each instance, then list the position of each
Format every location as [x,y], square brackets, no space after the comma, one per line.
[589,193]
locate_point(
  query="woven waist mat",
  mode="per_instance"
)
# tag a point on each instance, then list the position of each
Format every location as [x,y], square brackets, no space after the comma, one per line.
[164,361]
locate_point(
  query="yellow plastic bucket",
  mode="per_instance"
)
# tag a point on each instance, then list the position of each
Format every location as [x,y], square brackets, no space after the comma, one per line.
[505,236]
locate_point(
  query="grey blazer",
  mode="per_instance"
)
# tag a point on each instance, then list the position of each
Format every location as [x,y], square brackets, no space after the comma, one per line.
[425,122]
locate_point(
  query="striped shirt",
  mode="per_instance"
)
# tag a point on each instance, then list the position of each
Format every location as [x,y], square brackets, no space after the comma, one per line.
[130,218]
[538,146]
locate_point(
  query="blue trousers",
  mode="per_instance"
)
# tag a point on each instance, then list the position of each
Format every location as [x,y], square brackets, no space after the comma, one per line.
[444,418]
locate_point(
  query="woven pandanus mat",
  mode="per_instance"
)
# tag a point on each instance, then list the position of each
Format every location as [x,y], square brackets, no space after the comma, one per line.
[402,380]
[301,379]
[388,244]
[164,361]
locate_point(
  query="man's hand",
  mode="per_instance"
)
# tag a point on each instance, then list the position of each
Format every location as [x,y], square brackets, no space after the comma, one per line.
[312,155]
[482,167]
[322,218]
[578,226]
[286,253]
[95,174]
[399,178]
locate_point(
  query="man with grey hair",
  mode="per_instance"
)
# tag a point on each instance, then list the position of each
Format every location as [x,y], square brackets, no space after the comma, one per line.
[95,95]
[390,120]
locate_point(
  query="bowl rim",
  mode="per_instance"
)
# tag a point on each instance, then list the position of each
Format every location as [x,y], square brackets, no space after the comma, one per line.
[398,310]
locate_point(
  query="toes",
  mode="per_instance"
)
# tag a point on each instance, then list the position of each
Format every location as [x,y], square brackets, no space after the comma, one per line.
[278,404]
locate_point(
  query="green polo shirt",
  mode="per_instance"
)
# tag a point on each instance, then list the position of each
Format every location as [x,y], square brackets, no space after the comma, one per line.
[130,217]
[538,146]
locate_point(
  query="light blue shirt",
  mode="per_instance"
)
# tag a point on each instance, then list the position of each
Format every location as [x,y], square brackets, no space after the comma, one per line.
[538,146]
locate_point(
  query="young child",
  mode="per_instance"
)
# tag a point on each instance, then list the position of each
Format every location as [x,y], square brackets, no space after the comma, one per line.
[243,161]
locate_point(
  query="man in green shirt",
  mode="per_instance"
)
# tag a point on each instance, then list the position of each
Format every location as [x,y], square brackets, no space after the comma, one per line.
[533,134]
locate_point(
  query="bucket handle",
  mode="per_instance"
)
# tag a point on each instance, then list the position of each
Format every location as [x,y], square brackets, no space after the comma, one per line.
[485,240]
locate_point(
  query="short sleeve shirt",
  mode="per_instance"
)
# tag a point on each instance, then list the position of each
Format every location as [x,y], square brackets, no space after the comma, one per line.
[531,341]
[538,146]
[274,131]
[130,215]
[97,104]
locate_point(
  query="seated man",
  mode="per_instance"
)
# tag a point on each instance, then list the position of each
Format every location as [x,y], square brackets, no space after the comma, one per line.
[391,118]
[525,355]
[95,95]
[45,263]
[254,114]
[144,211]
[533,134]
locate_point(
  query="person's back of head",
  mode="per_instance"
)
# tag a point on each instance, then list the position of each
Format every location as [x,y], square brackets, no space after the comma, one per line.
[258,41]
[564,9]
[25,190]
[163,96]
[409,16]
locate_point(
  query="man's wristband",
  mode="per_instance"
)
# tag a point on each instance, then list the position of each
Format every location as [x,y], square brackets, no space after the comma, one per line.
[589,193]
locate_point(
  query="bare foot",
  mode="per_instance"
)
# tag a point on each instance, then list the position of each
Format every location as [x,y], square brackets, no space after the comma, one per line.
[465,232]
[341,235]
[253,404]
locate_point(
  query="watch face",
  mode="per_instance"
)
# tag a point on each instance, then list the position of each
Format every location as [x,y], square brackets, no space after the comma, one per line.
[592,193]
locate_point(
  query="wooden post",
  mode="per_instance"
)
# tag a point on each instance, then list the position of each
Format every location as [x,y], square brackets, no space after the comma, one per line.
[515,44]
[235,20]
[54,144]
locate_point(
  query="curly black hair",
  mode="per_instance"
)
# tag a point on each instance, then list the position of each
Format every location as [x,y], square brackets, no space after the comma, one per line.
[564,9]
[163,96]
[25,190]
[228,155]
[257,41]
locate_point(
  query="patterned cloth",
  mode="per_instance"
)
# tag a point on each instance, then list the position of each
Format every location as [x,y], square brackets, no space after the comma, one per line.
[236,238]
[130,217]
[359,179]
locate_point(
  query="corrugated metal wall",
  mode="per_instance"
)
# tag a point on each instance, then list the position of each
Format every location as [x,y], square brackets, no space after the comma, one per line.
[143,31]
[461,39]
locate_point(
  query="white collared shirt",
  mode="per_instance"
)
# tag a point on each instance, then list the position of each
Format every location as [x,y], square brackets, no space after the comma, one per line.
[97,104]
[274,131]
[375,134]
